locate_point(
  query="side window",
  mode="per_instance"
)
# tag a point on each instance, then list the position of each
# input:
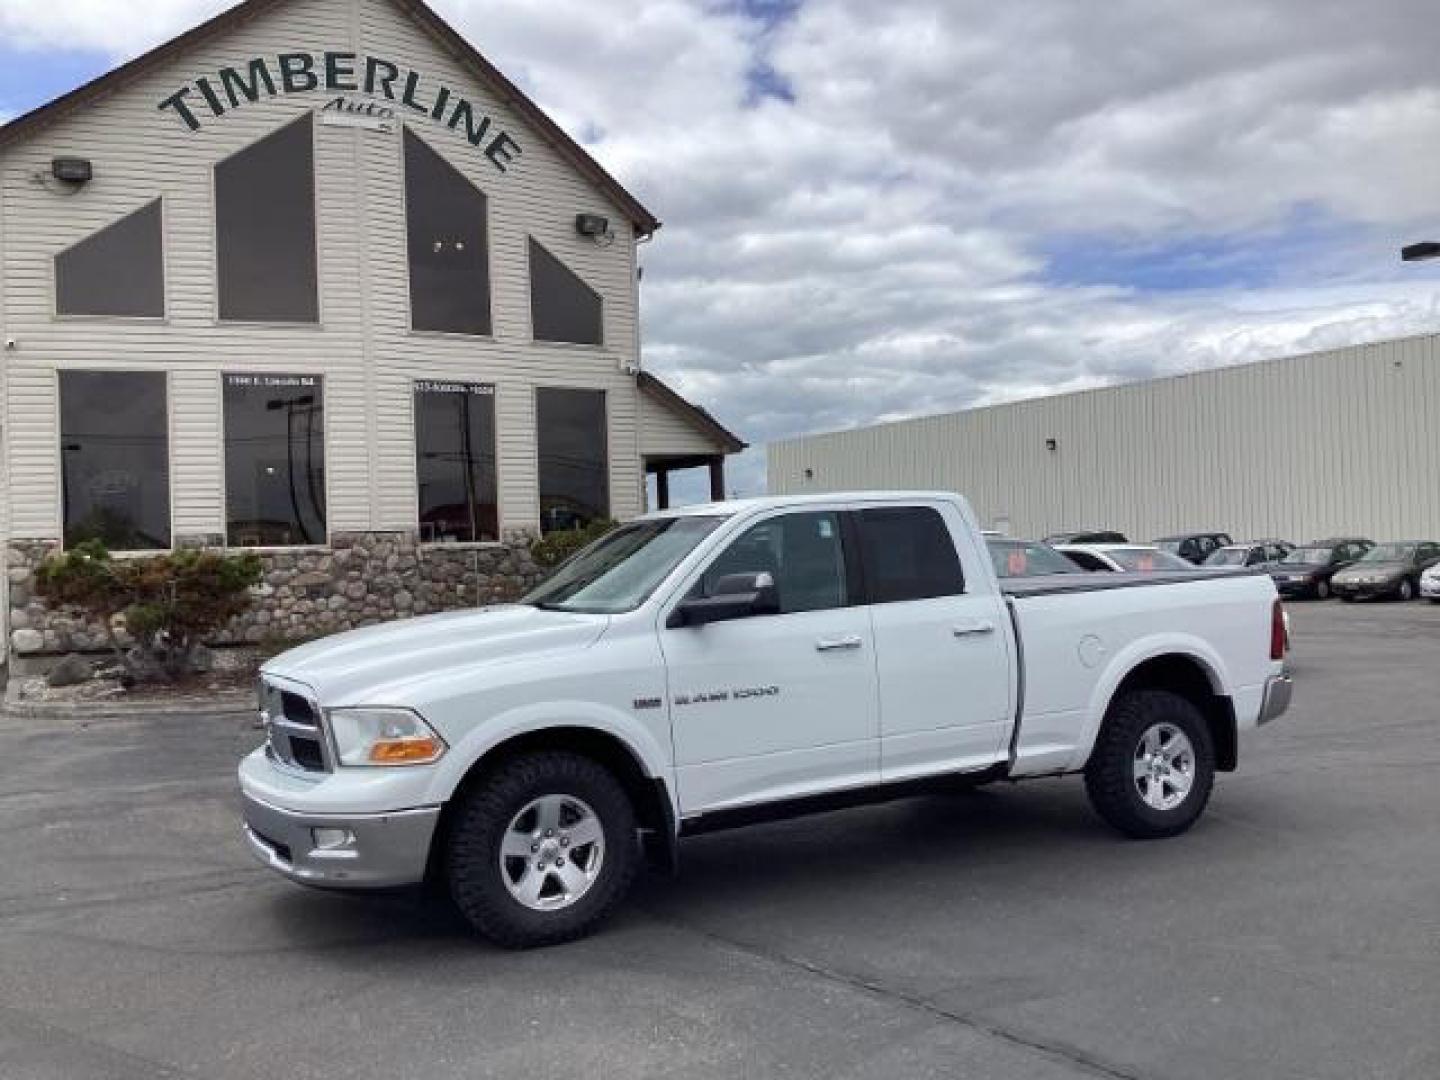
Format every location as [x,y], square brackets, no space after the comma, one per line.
[908,554]
[802,552]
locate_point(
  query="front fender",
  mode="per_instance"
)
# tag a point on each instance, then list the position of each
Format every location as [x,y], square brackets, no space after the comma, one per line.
[528,719]
[1131,657]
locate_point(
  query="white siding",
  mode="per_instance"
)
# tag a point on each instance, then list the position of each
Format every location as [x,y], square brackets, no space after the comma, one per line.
[665,433]
[363,347]
[1339,442]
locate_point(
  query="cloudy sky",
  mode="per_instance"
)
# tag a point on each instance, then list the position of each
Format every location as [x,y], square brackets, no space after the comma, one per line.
[878,210]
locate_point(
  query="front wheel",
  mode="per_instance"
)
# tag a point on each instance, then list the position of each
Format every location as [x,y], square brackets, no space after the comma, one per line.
[542,850]
[1153,766]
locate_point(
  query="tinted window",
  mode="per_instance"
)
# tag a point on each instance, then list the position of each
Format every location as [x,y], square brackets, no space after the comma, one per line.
[114,459]
[908,554]
[119,271]
[562,306]
[274,460]
[265,229]
[455,461]
[574,457]
[802,552]
[449,244]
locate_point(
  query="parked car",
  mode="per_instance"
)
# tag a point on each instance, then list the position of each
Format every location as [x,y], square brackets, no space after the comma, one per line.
[1194,547]
[1026,558]
[707,667]
[1387,570]
[1430,584]
[1123,558]
[1087,536]
[1306,571]
[1254,553]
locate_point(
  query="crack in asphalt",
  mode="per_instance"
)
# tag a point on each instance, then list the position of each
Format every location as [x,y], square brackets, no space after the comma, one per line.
[1063,1053]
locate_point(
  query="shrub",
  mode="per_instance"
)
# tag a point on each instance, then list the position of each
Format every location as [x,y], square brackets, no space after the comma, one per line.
[169,602]
[555,547]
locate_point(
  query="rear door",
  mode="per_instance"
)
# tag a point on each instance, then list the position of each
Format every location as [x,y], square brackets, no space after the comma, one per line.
[776,706]
[941,651]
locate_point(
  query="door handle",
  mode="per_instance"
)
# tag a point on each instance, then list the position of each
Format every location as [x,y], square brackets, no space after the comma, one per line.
[974,629]
[836,644]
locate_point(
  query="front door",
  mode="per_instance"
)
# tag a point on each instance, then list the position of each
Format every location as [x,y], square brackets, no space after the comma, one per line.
[774,706]
[944,664]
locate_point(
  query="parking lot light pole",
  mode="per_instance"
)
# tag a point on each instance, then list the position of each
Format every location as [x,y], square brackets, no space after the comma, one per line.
[1426,249]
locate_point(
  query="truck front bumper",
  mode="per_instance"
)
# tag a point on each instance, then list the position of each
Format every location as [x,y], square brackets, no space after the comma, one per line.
[341,851]
[1277,697]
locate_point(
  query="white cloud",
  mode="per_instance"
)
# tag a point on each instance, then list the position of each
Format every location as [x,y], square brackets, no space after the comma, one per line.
[93,25]
[878,247]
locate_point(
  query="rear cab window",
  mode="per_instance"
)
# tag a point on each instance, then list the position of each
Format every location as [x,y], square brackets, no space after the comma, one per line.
[907,553]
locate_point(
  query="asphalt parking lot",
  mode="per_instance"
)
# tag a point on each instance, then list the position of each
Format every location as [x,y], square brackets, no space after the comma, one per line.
[1294,933]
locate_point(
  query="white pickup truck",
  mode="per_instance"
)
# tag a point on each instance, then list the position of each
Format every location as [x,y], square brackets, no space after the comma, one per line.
[719,664]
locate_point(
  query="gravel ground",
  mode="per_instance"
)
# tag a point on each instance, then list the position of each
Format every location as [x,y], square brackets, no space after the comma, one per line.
[1295,933]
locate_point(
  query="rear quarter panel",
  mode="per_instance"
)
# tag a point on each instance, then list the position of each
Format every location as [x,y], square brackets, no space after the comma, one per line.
[1079,647]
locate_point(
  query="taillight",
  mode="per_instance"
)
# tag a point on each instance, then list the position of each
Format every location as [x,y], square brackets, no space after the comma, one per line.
[1279,639]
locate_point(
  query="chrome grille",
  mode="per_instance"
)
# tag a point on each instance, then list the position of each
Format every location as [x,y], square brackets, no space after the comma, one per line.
[292,725]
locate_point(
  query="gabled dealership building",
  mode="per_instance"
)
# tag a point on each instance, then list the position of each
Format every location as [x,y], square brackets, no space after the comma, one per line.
[316,280]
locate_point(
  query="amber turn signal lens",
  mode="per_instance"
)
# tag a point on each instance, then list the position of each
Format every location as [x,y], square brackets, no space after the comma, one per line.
[405,751]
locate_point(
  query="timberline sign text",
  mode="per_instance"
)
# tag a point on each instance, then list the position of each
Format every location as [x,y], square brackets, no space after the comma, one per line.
[341,73]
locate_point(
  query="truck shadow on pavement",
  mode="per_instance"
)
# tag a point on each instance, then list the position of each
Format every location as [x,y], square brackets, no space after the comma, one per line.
[879,854]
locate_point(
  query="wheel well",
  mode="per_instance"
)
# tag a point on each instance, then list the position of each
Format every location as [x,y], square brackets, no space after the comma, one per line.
[648,795]
[1186,676]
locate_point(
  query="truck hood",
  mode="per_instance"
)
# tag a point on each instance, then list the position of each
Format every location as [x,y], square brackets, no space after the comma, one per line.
[372,666]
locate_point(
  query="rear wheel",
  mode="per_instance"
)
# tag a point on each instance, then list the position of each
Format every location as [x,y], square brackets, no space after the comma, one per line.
[1322,590]
[1406,591]
[1153,766]
[542,850]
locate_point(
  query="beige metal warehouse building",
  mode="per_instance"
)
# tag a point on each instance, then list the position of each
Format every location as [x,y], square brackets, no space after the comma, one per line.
[1343,442]
[316,279]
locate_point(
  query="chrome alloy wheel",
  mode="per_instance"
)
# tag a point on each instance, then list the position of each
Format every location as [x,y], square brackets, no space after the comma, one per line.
[551,853]
[1164,766]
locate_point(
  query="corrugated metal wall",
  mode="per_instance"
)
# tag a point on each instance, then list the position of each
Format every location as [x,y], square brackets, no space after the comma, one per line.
[1345,441]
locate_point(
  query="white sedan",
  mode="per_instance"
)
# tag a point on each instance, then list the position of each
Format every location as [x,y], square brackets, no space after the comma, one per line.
[1123,558]
[1430,584]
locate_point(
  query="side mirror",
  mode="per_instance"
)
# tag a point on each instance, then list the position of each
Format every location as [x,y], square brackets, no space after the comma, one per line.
[736,596]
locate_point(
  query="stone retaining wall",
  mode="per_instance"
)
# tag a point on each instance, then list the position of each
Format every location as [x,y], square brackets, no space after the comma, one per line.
[362,578]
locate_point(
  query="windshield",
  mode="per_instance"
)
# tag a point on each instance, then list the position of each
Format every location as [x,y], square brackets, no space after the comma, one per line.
[1145,560]
[1228,557]
[619,571]
[1307,556]
[1389,553]
[1022,558]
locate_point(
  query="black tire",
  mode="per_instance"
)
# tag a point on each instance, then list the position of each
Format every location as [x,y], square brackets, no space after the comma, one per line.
[1405,590]
[472,854]
[1322,590]
[1110,773]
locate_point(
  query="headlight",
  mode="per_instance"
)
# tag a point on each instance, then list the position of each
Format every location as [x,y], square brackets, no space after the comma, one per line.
[383,736]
